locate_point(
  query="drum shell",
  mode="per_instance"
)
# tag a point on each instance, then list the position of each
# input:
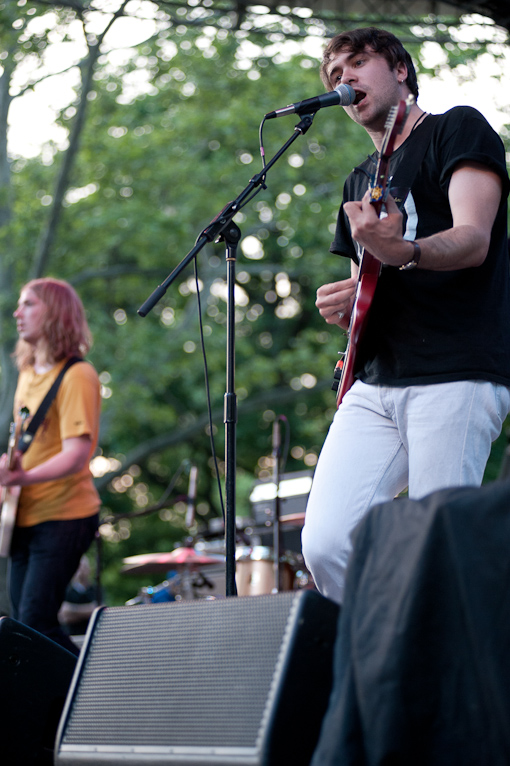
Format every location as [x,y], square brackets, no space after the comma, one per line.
[255,575]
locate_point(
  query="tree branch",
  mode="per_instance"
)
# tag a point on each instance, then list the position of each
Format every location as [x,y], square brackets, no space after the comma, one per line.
[43,251]
[179,435]
[112,272]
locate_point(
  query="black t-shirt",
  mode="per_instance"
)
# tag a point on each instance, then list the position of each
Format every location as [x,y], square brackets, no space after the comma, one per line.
[431,326]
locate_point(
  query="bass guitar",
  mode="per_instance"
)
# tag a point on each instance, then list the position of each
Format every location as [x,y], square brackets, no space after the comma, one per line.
[369,267]
[10,495]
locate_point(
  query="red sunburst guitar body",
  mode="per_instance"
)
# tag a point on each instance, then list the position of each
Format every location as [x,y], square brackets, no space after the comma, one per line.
[370,267]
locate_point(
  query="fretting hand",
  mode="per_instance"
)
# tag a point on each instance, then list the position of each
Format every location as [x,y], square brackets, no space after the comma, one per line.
[335,300]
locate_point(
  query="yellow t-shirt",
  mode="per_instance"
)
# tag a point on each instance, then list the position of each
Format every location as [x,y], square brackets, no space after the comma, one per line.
[74,412]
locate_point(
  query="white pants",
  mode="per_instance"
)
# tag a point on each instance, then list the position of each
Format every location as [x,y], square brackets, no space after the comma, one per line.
[383,440]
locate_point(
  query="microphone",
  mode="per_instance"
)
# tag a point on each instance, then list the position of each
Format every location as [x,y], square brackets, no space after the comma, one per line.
[343,95]
[192,496]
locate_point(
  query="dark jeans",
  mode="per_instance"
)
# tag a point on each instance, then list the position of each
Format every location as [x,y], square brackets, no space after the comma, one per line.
[43,560]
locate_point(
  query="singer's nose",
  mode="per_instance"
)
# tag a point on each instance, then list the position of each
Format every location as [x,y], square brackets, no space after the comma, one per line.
[348,76]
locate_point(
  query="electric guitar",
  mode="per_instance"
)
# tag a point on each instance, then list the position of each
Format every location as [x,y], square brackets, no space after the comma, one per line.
[369,267]
[10,495]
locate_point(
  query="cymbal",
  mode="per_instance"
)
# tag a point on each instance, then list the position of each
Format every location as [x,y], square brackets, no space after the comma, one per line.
[180,558]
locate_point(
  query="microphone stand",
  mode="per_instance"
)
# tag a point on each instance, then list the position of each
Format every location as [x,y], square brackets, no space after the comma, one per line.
[222,228]
[277,585]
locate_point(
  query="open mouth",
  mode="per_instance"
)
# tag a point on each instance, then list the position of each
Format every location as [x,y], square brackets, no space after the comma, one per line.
[360,95]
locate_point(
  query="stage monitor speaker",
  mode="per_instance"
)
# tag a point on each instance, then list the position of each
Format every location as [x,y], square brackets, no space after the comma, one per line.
[241,681]
[35,676]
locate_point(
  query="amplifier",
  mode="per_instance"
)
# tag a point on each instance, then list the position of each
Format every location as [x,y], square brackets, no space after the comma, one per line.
[236,681]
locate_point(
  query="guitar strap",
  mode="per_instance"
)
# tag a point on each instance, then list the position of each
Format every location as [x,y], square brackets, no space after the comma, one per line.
[29,433]
[406,171]
[408,168]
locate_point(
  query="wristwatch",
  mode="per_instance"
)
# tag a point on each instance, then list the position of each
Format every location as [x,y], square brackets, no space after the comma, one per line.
[412,264]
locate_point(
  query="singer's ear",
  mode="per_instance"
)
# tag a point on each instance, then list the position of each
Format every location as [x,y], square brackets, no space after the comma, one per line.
[401,72]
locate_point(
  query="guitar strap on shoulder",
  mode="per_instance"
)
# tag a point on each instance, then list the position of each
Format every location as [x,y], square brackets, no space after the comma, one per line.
[407,169]
[29,433]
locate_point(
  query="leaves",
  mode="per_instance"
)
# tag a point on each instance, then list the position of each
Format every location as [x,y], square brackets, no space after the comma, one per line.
[168,136]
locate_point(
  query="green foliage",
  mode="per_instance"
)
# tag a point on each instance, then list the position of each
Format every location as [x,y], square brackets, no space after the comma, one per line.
[152,171]
[171,136]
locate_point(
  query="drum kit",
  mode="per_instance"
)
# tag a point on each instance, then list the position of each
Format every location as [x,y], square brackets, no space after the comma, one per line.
[197,570]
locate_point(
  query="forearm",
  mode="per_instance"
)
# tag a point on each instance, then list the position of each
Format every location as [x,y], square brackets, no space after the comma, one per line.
[461,247]
[57,467]
[70,460]
[474,195]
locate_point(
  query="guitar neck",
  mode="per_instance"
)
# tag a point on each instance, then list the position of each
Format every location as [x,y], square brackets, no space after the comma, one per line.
[15,435]
[13,443]
[369,267]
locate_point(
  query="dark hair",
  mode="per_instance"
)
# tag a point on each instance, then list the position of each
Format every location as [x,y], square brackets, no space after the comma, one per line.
[380,41]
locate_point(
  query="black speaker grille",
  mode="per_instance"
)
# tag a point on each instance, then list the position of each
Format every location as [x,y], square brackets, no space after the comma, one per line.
[35,676]
[146,679]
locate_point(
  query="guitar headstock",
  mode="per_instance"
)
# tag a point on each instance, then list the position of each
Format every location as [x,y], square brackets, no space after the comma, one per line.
[16,429]
[397,117]
[23,414]
[393,126]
